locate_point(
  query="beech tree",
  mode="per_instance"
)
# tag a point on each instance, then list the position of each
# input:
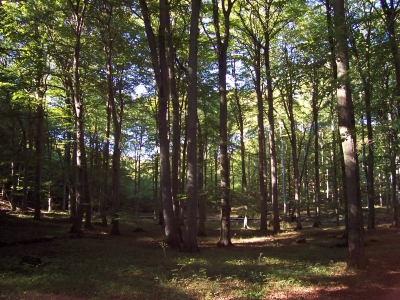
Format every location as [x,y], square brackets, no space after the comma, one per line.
[159,62]
[192,185]
[222,41]
[356,257]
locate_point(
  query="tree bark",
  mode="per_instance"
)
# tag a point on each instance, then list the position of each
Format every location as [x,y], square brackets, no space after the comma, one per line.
[159,62]
[262,172]
[201,184]
[79,15]
[317,220]
[272,147]
[356,254]
[391,11]
[222,48]
[192,188]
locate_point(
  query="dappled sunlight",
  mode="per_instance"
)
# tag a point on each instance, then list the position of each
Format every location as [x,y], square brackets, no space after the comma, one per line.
[289,265]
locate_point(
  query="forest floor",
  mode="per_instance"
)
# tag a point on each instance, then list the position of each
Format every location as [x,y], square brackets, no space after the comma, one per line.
[42,260]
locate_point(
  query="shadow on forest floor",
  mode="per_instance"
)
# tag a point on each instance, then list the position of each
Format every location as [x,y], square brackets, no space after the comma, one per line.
[41,260]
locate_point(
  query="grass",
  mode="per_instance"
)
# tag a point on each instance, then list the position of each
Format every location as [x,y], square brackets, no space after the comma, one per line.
[140,266]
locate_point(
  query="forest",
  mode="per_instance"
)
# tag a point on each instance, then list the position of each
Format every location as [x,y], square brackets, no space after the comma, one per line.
[254,110]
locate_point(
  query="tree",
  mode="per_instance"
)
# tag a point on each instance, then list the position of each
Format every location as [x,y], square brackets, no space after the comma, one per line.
[254,49]
[222,43]
[362,56]
[356,254]
[192,188]
[78,11]
[160,68]
[391,10]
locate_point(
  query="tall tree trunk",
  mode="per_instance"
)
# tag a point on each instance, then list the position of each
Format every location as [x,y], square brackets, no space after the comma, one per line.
[192,188]
[261,137]
[241,130]
[27,159]
[39,94]
[201,183]
[105,167]
[222,48]
[364,71]
[79,15]
[329,21]
[283,170]
[272,147]
[159,62]
[116,157]
[176,132]
[317,195]
[335,195]
[356,254]
[393,175]
[391,12]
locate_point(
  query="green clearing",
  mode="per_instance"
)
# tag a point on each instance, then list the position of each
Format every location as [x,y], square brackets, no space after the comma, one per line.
[136,265]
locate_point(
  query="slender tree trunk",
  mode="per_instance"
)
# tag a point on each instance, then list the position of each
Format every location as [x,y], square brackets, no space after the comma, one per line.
[317,196]
[176,132]
[283,170]
[335,195]
[116,157]
[222,47]
[356,254]
[27,160]
[393,175]
[368,162]
[391,12]
[80,193]
[159,62]
[261,137]
[192,188]
[201,183]
[105,167]
[272,147]
[40,94]
[241,130]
